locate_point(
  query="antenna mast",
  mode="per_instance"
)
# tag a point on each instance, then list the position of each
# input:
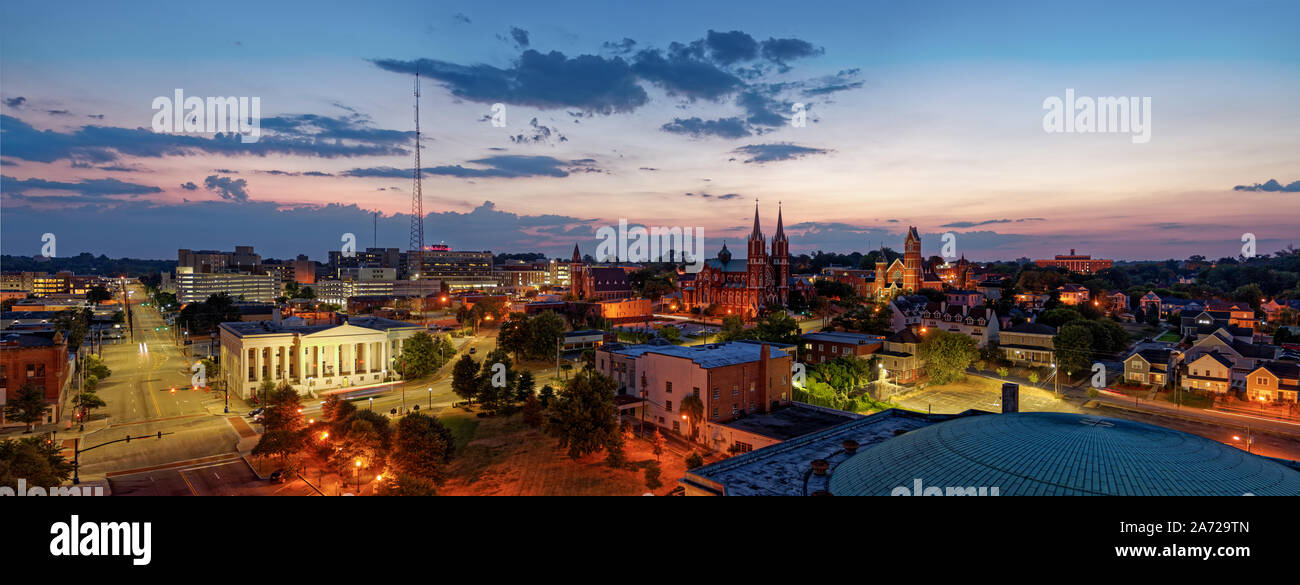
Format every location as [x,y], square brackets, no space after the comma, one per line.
[416,252]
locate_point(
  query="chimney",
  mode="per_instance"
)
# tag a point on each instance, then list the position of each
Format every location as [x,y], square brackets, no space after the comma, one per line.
[1010,397]
[763,386]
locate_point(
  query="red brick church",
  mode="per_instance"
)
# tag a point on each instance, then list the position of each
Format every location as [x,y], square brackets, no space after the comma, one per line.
[908,275]
[743,286]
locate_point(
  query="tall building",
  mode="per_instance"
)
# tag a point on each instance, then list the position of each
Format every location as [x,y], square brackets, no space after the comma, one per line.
[204,261]
[744,287]
[460,270]
[192,287]
[1081,263]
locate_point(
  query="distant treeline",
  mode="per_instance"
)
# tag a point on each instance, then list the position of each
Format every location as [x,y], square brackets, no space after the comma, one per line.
[86,263]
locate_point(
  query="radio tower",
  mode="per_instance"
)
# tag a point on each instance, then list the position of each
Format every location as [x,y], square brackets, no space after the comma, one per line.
[416,251]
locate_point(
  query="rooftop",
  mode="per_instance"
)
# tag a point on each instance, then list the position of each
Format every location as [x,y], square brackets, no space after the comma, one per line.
[712,355]
[1052,453]
[843,337]
[783,469]
[792,421]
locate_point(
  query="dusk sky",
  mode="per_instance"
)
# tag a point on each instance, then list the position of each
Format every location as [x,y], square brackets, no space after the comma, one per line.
[666,113]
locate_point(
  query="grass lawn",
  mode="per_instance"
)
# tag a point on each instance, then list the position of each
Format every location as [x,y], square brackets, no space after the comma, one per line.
[1169,336]
[462,425]
[503,456]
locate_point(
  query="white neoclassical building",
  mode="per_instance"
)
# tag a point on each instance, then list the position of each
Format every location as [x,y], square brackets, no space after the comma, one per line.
[311,358]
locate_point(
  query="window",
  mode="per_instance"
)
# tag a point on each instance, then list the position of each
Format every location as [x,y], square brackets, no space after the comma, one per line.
[735,390]
[715,392]
[742,447]
[735,410]
[668,387]
[696,391]
[715,413]
[668,406]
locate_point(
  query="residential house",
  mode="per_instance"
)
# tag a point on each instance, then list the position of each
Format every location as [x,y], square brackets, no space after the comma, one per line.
[1211,372]
[1072,294]
[1272,381]
[1150,367]
[1028,344]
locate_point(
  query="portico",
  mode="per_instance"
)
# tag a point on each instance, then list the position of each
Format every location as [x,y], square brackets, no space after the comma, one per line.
[310,358]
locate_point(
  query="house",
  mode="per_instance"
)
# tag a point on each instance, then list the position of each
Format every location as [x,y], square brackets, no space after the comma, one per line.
[1239,314]
[1206,323]
[1275,309]
[900,358]
[1072,294]
[1168,305]
[1271,381]
[1028,344]
[1032,300]
[918,312]
[1243,355]
[991,288]
[825,346]
[1211,372]
[1149,367]
[1117,302]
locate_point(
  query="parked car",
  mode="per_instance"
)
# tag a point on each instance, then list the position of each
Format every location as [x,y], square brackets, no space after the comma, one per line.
[277,476]
[256,412]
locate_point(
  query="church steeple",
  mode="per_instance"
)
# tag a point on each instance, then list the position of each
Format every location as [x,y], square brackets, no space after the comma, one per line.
[577,256]
[780,227]
[757,233]
[724,255]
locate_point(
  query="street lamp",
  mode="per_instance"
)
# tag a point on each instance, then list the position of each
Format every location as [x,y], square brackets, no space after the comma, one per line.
[431,397]
[357,474]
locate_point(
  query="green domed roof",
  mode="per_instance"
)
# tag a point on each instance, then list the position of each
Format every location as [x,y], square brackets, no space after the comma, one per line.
[1047,453]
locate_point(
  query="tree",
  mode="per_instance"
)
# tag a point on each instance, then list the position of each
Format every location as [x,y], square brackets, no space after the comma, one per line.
[95,367]
[282,421]
[652,472]
[1059,316]
[694,460]
[670,333]
[422,447]
[544,329]
[36,459]
[525,386]
[1073,345]
[947,355]
[583,417]
[419,356]
[546,395]
[693,408]
[98,294]
[464,378]
[400,484]
[28,406]
[88,401]
[657,444]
